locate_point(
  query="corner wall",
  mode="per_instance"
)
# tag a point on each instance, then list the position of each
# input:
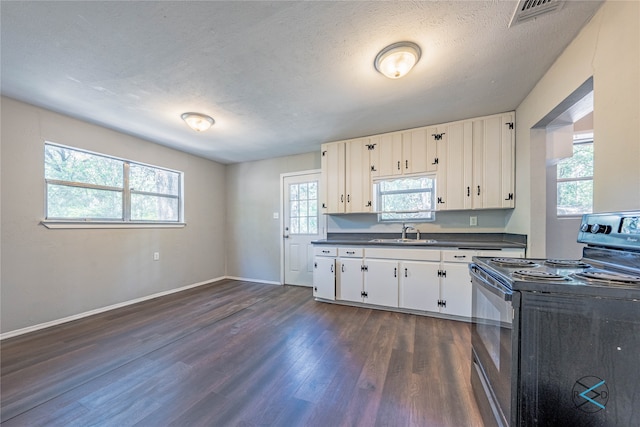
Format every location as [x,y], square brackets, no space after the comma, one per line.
[253,195]
[49,274]
[607,48]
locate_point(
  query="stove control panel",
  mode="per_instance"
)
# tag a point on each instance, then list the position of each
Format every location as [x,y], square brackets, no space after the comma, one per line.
[615,230]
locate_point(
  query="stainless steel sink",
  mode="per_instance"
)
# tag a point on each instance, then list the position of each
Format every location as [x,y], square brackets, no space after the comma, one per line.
[404,241]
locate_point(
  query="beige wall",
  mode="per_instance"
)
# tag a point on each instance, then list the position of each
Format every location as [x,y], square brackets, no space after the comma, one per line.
[607,48]
[52,274]
[253,195]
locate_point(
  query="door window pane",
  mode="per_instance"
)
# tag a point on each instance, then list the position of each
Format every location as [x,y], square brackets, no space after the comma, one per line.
[303,208]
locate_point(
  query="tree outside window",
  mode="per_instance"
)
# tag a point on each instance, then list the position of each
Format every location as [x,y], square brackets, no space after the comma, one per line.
[575,179]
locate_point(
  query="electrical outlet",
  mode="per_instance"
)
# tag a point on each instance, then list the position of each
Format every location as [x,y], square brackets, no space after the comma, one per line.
[156,256]
[473,221]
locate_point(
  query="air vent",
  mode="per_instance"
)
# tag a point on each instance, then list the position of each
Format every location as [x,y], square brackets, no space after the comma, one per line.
[530,9]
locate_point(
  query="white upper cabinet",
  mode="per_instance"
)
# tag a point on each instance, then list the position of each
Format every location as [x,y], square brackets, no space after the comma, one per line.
[346,176]
[386,154]
[358,184]
[408,152]
[473,161]
[493,162]
[419,151]
[332,191]
[454,177]
[476,164]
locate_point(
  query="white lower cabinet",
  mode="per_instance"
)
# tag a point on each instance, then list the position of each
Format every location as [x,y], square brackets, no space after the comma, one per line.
[429,280]
[418,288]
[381,282]
[441,286]
[350,279]
[324,273]
[455,289]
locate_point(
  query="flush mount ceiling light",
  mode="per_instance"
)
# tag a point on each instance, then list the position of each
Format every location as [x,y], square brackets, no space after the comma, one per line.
[396,60]
[198,122]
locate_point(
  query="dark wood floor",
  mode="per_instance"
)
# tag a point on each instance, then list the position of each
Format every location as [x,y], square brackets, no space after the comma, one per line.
[240,354]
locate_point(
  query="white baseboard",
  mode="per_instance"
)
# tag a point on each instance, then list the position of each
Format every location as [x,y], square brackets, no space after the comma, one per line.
[245,279]
[39,326]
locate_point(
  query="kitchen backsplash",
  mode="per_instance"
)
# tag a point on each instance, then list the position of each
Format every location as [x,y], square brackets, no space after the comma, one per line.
[489,221]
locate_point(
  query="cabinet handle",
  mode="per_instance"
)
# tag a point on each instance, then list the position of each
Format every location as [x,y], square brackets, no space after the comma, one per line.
[459,256]
[478,190]
[468,191]
[395,272]
[332,268]
[405,273]
[398,164]
[348,198]
[342,197]
[342,268]
[406,164]
[325,252]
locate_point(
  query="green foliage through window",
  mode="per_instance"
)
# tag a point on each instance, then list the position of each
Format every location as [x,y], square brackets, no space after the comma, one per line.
[405,199]
[575,180]
[303,208]
[87,186]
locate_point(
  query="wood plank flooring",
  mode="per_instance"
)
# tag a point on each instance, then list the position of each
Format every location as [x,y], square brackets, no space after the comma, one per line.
[240,354]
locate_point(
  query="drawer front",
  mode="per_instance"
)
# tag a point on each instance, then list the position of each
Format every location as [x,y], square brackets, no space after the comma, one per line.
[504,253]
[458,256]
[351,252]
[325,251]
[404,254]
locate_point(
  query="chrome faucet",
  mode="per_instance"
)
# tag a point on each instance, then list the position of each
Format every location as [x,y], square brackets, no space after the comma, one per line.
[405,228]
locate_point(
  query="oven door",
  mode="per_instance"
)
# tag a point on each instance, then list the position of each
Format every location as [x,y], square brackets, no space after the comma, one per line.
[491,333]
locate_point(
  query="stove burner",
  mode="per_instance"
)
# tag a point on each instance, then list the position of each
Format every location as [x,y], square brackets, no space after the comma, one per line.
[538,275]
[514,262]
[608,277]
[566,263]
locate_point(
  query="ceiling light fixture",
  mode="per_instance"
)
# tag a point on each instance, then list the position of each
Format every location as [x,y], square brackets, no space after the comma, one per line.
[198,122]
[396,60]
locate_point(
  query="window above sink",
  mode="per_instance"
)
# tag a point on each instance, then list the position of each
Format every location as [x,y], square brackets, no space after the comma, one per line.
[405,199]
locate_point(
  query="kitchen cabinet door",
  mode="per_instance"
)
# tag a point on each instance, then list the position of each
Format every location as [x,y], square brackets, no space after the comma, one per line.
[381,282]
[324,278]
[494,162]
[389,154]
[459,162]
[440,137]
[418,151]
[358,186]
[455,289]
[350,279]
[332,163]
[419,287]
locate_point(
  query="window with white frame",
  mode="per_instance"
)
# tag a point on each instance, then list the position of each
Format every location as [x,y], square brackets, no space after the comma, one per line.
[303,208]
[405,199]
[85,186]
[575,178]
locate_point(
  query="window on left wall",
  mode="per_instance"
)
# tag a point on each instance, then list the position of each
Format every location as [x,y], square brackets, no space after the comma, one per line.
[84,186]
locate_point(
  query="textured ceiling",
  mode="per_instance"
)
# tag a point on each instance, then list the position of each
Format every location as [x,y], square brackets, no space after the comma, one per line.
[279,78]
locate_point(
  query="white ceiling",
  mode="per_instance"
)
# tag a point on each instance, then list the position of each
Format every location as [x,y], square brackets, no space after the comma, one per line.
[279,78]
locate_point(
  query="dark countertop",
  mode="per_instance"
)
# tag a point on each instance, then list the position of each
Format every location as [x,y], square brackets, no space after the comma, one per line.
[442,240]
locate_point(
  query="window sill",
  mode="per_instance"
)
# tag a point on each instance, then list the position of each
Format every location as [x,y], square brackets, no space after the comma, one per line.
[106,224]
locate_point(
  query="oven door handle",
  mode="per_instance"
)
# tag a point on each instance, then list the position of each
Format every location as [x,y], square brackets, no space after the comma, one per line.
[495,288]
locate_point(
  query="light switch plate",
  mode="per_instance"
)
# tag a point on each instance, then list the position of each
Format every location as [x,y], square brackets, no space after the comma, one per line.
[473,221]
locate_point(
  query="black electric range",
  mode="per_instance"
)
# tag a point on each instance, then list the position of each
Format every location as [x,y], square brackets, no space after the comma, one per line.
[558,341]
